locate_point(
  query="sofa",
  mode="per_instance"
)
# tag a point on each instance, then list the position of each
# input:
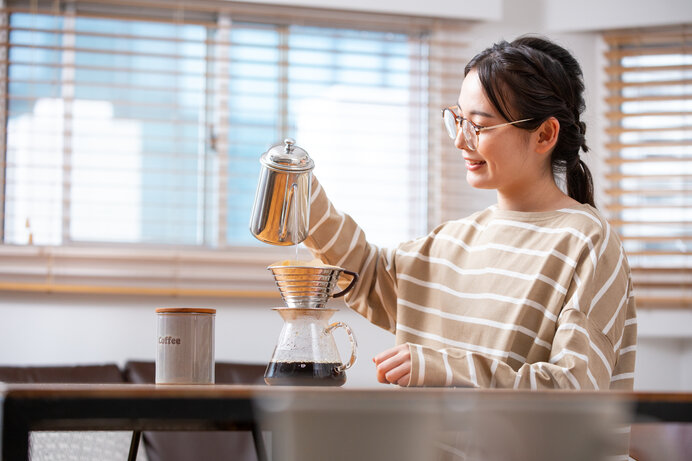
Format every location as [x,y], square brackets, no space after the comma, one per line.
[156,446]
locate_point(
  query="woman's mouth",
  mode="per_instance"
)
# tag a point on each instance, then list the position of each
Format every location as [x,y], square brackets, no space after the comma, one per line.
[472,165]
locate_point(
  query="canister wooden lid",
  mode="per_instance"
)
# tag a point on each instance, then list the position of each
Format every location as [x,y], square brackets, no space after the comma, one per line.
[184,310]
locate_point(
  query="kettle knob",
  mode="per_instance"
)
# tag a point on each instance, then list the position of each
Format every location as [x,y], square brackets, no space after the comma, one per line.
[289,143]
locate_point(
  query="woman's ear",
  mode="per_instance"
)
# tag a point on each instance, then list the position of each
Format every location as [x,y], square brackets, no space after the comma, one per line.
[546,135]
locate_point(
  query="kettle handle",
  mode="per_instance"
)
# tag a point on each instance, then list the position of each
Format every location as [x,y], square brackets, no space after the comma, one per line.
[289,194]
[352,339]
[350,285]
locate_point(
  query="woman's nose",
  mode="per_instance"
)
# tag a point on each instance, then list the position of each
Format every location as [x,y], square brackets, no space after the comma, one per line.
[459,141]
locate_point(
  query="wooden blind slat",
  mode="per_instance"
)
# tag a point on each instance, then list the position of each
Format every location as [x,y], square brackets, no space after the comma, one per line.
[650,241]
[619,70]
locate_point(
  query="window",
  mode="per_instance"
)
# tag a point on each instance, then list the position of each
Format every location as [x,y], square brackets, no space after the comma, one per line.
[133,135]
[650,161]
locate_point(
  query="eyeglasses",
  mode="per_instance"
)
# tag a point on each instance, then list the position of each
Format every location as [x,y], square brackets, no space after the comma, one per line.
[470,130]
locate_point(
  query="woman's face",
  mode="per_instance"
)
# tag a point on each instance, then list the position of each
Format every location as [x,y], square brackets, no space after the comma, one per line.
[503,159]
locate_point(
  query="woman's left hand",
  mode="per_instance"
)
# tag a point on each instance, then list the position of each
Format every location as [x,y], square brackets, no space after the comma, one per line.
[394,365]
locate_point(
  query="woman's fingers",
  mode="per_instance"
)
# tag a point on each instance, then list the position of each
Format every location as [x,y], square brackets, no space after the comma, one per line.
[384,355]
[394,365]
[398,372]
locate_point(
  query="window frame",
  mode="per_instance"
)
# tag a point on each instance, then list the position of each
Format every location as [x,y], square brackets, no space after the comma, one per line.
[113,268]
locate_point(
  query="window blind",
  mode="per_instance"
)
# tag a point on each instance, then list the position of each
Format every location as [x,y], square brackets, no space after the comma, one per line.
[649,95]
[133,130]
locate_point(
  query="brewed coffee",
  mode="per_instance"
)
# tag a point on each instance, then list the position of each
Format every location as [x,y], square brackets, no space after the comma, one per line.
[304,374]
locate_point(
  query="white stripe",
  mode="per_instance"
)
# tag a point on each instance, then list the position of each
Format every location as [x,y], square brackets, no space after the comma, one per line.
[550,230]
[315,193]
[617,344]
[557,357]
[510,249]
[571,378]
[470,222]
[603,358]
[604,245]
[448,369]
[472,369]
[627,349]
[516,381]
[493,369]
[622,430]
[532,378]
[351,246]
[575,295]
[321,221]
[460,344]
[607,328]
[485,270]
[632,321]
[476,321]
[336,236]
[421,365]
[585,213]
[494,296]
[607,284]
[592,379]
[622,376]
[572,326]
[390,259]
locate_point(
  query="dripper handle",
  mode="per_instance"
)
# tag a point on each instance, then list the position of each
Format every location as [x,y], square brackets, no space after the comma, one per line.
[345,366]
[350,285]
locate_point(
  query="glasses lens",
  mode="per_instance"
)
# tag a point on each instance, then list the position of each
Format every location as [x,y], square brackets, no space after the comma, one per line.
[470,135]
[450,123]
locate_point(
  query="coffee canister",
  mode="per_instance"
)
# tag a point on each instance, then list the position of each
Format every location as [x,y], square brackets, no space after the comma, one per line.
[185,345]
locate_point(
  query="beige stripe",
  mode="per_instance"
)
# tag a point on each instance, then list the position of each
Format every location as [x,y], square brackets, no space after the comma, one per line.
[550,230]
[607,328]
[336,235]
[622,376]
[351,246]
[462,345]
[494,296]
[477,321]
[321,221]
[581,212]
[607,284]
[484,270]
[314,193]
[493,369]
[507,248]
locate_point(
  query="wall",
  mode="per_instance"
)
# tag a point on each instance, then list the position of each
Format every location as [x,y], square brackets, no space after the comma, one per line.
[59,329]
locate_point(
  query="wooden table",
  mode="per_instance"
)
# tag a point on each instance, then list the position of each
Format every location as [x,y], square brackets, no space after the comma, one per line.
[133,407]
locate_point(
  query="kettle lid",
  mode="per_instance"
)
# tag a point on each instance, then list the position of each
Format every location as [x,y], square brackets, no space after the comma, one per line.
[287,156]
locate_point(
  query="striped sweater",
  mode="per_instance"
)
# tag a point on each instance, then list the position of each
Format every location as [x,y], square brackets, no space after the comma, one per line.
[503,299]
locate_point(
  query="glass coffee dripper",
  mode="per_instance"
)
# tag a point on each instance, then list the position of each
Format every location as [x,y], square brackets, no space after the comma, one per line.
[306,353]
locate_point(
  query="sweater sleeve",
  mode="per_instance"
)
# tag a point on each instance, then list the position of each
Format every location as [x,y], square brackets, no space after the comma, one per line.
[336,239]
[585,349]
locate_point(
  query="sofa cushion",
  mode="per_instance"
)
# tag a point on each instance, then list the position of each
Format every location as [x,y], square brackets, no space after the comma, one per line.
[200,446]
[106,373]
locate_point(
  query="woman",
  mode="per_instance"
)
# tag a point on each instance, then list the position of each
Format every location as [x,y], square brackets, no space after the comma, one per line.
[533,292]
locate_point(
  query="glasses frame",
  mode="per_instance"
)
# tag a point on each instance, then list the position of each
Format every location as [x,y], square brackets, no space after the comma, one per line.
[459,120]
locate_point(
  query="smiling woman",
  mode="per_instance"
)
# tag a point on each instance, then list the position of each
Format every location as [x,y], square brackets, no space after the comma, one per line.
[533,292]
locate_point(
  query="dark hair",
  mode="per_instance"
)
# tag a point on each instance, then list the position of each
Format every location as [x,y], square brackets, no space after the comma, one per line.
[534,78]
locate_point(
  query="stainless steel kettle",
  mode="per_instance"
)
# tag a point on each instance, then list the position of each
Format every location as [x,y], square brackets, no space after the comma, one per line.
[281,212]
